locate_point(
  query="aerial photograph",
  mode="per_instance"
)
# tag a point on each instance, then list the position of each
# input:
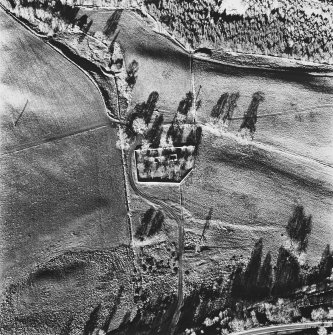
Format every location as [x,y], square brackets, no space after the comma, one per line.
[166,167]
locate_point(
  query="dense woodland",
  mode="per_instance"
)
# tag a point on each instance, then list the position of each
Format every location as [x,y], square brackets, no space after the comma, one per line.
[300,30]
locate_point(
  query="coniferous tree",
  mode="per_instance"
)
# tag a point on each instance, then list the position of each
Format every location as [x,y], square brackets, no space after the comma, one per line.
[219,108]
[177,136]
[190,140]
[299,227]
[231,106]
[252,270]
[237,289]
[132,73]
[287,274]
[198,138]
[185,104]
[250,117]
[265,278]
[91,323]
[156,224]
[326,264]
[142,230]
[150,106]
[155,132]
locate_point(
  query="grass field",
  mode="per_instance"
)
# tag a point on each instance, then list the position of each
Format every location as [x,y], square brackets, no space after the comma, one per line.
[252,197]
[61,176]
[308,134]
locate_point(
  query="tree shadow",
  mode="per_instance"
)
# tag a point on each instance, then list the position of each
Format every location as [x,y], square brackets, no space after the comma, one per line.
[112,23]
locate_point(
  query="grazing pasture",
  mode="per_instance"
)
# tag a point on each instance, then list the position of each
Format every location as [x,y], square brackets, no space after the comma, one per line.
[62,183]
[163,66]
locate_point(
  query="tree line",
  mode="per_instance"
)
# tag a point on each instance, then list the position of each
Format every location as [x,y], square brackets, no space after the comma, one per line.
[261,280]
[227,103]
[155,126]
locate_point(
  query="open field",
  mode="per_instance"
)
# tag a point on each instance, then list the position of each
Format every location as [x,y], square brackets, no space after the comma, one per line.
[62,184]
[253,188]
[308,134]
[56,91]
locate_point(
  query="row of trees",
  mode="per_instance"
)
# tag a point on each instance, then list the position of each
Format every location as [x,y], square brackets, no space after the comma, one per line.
[259,280]
[225,106]
[227,103]
[141,121]
[176,131]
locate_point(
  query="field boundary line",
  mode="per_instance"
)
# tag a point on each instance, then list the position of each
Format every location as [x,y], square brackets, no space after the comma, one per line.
[34,144]
[44,38]
[125,170]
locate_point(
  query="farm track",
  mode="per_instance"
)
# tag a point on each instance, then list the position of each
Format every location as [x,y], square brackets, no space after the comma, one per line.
[284,329]
[171,213]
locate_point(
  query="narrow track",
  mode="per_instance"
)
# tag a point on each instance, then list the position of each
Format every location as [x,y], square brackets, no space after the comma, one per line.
[284,329]
[171,213]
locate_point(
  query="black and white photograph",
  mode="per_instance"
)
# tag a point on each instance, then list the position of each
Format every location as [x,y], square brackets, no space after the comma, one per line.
[166,167]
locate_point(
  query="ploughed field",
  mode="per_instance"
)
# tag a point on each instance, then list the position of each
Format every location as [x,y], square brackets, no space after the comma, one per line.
[62,183]
[164,165]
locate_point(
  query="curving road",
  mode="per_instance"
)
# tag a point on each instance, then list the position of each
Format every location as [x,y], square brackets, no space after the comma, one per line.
[284,329]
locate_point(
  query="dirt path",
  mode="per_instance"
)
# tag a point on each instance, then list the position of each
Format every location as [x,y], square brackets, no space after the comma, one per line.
[179,219]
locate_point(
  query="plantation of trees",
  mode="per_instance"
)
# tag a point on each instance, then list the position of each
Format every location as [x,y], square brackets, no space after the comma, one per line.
[167,165]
